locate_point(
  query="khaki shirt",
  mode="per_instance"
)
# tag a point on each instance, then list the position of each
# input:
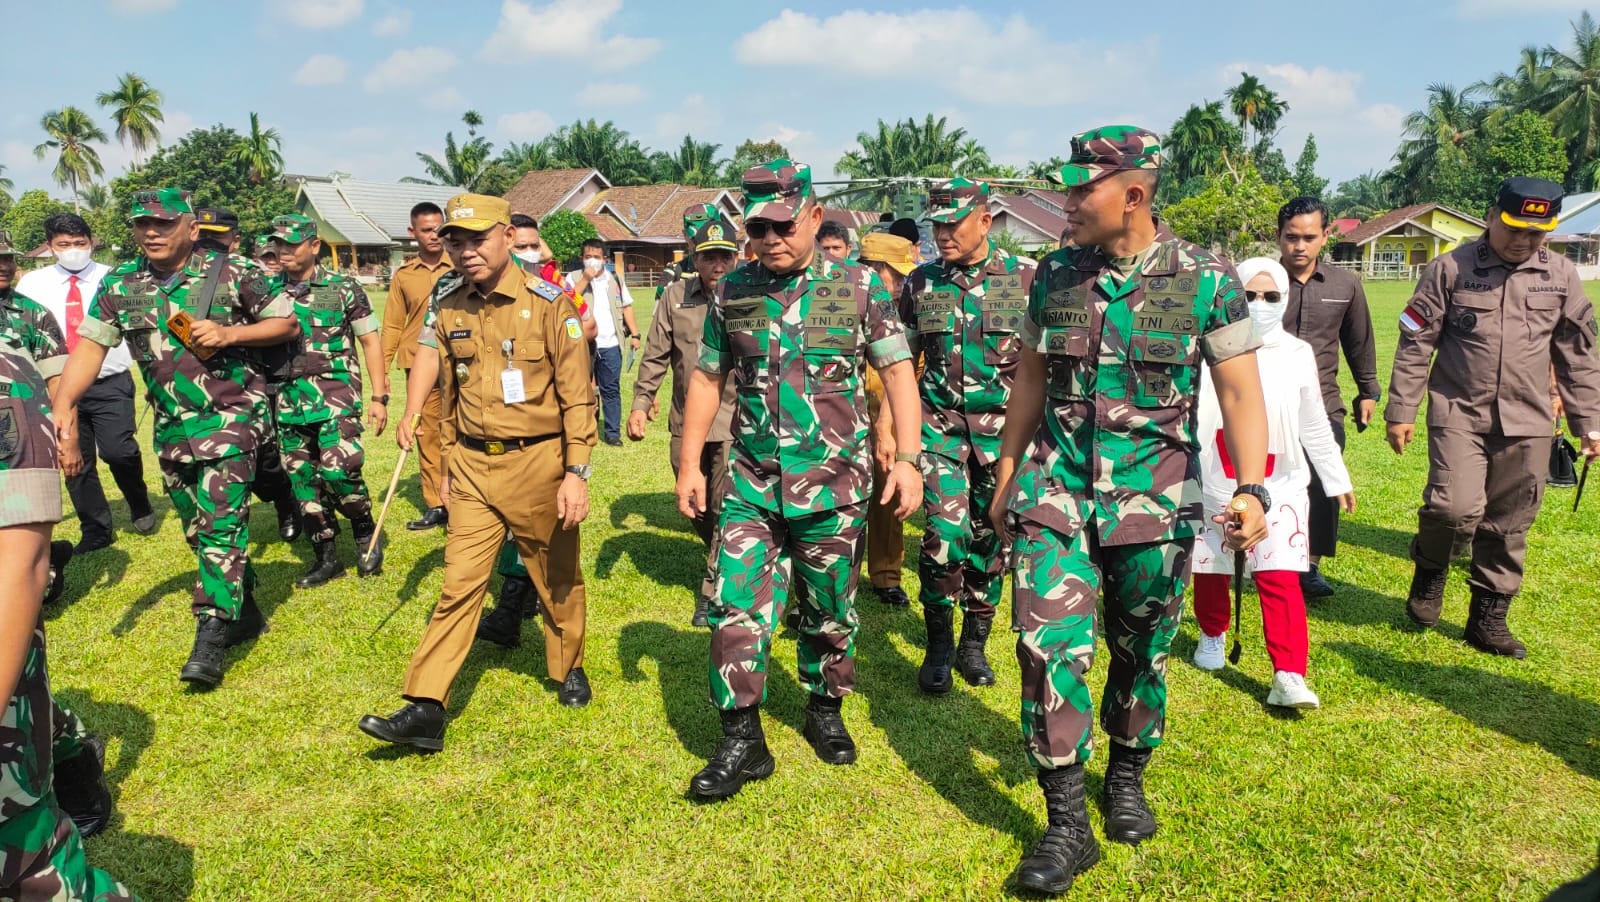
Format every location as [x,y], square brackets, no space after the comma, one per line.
[676,326]
[409,290]
[1491,331]
[539,323]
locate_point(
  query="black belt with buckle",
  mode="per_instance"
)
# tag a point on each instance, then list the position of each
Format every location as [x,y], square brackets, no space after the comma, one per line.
[500,446]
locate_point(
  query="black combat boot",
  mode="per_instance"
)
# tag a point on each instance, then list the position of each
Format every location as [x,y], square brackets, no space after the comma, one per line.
[1128,818]
[60,555]
[80,786]
[1426,598]
[288,516]
[503,625]
[825,731]
[420,724]
[741,757]
[366,564]
[250,623]
[204,667]
[326,567]
[1486,626]
[970,659]
[1068,847]
[702,612]
[934,675]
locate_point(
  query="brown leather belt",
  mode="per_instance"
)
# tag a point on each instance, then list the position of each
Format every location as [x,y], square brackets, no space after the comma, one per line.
[500,446]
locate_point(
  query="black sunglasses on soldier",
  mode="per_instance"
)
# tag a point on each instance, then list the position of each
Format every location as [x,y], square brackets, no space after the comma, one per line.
[758,228]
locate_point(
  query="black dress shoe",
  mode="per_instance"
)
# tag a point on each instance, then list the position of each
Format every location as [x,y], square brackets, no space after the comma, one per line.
[433,516]
[288,519]
[614,442]
[204,667]
[894,596]
[825,731]
[419,725]
[80,787]
[575,691]
[91,543]
[1312,585]
[144,525]
[60,556]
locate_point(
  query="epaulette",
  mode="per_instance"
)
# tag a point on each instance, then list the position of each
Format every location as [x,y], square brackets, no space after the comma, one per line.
[550,291]
[447,283]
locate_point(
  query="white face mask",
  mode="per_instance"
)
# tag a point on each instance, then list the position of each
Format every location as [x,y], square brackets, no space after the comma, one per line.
[594,264]
[1267,316]
[531,255]
[73,259]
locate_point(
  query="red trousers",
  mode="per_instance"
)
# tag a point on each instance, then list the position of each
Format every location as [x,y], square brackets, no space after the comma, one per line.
[1283,613]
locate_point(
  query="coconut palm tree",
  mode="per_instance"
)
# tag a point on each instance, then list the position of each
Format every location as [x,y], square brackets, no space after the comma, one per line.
[259,153]
[135,109]
[603,146]
[530,156]
[77,162]
[1435,136]
[5,184]
[1257,108]
[694,163]
[1200,139]
[1573,94]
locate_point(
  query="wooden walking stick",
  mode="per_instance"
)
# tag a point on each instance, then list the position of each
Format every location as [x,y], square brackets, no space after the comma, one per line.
[394,481]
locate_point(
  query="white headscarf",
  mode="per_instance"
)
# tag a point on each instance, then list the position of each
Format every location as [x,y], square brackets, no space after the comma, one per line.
[1268,317]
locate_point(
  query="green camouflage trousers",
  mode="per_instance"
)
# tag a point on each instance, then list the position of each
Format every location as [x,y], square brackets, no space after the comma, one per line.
[213,499]
[960,559]
[43,859]
[759,547]
[1059,582]
[325,459]
[69,736]
[510,564]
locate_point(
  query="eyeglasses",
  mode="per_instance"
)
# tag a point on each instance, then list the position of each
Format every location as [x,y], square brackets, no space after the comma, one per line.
[758,228]
[1271,297]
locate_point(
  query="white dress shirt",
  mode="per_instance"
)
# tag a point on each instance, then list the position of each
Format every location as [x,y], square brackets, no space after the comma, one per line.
[49,286]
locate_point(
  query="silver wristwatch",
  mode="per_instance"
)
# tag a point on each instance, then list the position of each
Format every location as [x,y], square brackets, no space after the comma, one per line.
[582,471]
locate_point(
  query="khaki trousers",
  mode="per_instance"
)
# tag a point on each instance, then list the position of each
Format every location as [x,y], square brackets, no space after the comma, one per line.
[434,440]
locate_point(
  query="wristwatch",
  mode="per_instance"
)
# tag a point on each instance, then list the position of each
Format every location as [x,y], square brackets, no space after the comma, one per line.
[904,458]
[1259,492]
[582,471]
[381,399]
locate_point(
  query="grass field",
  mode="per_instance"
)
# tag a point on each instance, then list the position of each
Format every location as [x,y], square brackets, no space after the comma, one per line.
[1431,772]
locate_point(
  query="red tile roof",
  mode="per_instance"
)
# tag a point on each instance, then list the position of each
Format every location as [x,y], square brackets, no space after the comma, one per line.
[1393,219]
[540,193]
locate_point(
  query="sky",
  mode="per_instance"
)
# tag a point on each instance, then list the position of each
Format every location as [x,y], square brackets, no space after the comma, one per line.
[360,86]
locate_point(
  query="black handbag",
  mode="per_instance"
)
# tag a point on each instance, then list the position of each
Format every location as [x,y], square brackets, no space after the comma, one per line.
[1563,463]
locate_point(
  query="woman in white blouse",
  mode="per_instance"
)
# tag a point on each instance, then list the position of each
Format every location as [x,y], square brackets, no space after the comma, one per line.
[1298,438]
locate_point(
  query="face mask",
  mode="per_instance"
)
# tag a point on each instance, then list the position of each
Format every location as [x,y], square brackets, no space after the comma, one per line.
[530,255]
[594,265]
[1267,316]
[73,259]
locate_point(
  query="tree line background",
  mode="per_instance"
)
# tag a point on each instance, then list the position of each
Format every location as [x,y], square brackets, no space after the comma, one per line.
[1224,180]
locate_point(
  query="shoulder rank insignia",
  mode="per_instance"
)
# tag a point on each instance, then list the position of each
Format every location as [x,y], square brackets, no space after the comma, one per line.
[547,290]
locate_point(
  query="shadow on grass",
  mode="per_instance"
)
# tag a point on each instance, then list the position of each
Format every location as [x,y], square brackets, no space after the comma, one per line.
[1355,605]
[1523,710]
[664,560]
[131,726]
[153,867]
[936,736]
[85,572]
[1378,538]
[421,569]
[658,509]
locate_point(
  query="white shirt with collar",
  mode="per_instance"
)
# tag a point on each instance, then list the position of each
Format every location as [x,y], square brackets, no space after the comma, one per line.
[49,287]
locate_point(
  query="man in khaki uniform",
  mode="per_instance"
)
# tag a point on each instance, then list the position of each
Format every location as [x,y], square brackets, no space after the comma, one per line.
[409,290]
[515,384]
[1492,316]
[676,325]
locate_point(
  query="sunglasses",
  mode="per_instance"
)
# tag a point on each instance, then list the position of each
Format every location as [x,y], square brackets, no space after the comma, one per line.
[1271,297]
[758,228]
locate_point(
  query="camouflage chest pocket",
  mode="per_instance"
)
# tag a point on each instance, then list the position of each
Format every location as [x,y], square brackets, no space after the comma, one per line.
[936,311]
[137,315]
[222,306]
[749,327]
[325,306]
[1066,322]
[1164,345]
[830,341]
[1004,308]
[24,444]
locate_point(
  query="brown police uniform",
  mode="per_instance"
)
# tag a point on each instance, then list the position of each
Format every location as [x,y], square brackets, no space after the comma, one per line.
[886,533]
[409,291]
[1491,330]
[507,464]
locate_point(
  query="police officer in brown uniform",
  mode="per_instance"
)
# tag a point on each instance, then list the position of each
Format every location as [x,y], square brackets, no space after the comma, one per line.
[1491,316]
[514,379]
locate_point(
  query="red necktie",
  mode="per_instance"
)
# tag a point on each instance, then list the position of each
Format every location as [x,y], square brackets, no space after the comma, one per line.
[74,312]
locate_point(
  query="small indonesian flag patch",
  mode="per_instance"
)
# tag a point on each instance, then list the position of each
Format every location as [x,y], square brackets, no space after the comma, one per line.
[1411,320]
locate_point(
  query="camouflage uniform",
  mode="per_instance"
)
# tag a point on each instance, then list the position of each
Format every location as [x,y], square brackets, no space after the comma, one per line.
[800,475]
[1109,495]
[31,329]
[209,414]
[41,854]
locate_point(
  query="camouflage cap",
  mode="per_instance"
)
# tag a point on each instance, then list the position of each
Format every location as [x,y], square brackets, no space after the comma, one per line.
[695,216]
[776,191]
[7,249]
[715,235]
[953,200]
[292,228]
[1112,148]
[216,219]
[264,247]
[159,203]
[883,247]
[475,213]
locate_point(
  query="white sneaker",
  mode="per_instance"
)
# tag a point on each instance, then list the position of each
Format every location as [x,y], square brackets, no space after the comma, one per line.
[1209,656]
[1289,690]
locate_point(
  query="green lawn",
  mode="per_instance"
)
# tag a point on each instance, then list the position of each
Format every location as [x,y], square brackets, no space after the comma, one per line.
[1431,772]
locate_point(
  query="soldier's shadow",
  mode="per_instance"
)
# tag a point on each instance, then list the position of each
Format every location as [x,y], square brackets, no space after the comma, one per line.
[527,659]
[87,572]
[130,726]
[937,737]
[658,510]
[1381,539]
[664,560]
[1355,605]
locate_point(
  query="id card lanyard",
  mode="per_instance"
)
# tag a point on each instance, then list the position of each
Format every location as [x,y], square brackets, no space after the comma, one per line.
[511,389]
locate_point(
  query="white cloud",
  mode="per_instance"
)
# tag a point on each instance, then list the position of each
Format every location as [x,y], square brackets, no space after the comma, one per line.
[1483,9]
[527,126]
[393,24]
[446,99]
[321,69]
[1353,135]
[404,68]
[322,13]
[694,116]
[1020,66]
[565,28]
[605,93]
[142,7]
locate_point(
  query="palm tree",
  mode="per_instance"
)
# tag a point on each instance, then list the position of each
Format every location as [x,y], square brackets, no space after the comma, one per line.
[70,130]
[694,163]
[260,153]
[1435,136]
[1198,142]
[530,156]
[927,149]
[1256,106]
[1041,169]
[1573,95]
[605,147]
[5,184]
[135,109]
[96,197]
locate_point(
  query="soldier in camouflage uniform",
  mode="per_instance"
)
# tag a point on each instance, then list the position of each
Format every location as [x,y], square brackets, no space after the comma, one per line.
[964,311]
[319,406]
[24,323]
[794,329]
[41,853]
[1100,438]
[203,380]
